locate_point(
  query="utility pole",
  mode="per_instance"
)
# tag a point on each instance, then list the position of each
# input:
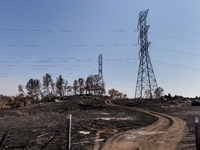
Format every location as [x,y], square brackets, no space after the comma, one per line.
[146,80]
[100,67]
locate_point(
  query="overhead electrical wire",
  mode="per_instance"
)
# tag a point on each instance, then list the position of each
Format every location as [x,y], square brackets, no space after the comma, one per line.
[197,55]
[176,72]
[174,37]
[121,70]
[126,44]
[163,82]
[157,62]
[132,79]
[76,30]
[170,76]
[76,45]
[163,49]
[159,72]
[121,60]
[176,65]
[127,67]
[112,65]
[181,85]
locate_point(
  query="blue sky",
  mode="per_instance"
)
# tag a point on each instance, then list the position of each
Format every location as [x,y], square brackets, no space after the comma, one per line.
[65,37]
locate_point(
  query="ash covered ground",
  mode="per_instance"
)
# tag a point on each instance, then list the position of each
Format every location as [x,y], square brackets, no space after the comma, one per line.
[183,108]
[31,127]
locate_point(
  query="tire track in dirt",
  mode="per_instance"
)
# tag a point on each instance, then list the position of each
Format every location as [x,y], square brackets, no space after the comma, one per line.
[164,134]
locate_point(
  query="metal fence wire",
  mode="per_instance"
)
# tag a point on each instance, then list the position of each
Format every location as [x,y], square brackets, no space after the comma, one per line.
[68,125]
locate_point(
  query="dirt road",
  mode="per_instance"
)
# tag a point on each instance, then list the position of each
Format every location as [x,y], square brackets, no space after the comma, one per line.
[164,134]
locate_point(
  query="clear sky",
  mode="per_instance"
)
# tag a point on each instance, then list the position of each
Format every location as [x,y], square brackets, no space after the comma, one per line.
[66,36]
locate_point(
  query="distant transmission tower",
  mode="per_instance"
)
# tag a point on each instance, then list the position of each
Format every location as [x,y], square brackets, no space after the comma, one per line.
[100,67]
[146,80]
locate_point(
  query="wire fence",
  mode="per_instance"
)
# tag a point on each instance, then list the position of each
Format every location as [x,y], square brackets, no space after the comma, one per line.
[68,125]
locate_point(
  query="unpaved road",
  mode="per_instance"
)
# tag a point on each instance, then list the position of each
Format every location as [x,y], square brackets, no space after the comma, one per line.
[164,134]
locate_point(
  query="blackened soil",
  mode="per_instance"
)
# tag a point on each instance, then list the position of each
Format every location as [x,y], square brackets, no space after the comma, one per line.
[31,127]
[181,108]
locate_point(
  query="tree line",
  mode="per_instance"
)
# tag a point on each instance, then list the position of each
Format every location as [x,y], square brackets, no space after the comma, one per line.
[47,89]
[116,94]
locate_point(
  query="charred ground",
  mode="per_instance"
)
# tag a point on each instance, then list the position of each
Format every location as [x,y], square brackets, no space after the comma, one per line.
[93,121]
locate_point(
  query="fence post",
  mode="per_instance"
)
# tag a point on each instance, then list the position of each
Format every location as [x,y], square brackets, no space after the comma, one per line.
[3,138]
[69,117]
[196,126]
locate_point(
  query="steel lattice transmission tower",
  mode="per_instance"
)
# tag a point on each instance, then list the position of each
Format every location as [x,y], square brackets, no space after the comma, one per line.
[100,67]
[146,80]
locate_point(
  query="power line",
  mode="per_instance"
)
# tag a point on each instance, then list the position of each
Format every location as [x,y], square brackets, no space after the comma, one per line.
[124,66]
[180,85]
[130,71]
[175,51]
[131,79]
[120,71]
[169,83]
[176,65]
[110,64]
[176,72]
[174,37]
[163,75]
[131,66]
[76,45]
[180,74]
[75,31]
[104,45]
